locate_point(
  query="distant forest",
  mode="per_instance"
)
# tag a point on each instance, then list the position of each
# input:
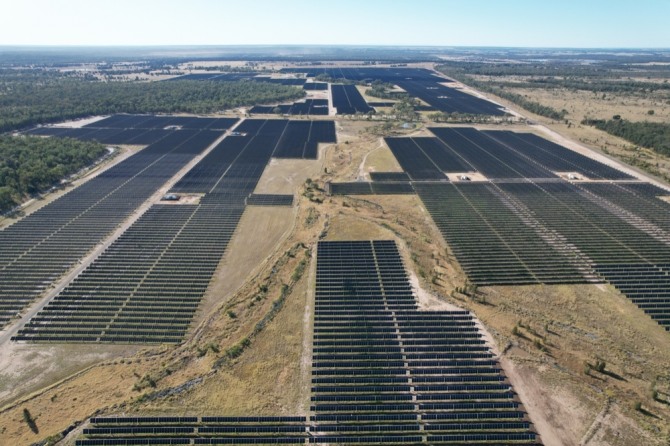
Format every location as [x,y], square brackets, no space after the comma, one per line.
[653,135]
[30,165]
[30,99]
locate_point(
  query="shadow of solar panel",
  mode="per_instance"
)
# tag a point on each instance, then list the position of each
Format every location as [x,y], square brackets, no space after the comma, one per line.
[394,188]
[389,176]
[269,200]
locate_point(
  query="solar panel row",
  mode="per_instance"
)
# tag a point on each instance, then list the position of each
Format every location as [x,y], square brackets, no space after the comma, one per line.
[147,286]
[40,248]
[373,349]
[135,129]
[315,107]
[420,83]
[380,397]
[269,200]
[348,100]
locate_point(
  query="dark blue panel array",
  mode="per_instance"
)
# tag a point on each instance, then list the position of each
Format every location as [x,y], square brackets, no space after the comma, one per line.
[420,83]
[40,248]
[382,372]
[316,86]
[301,139]
[442,156]
[496,241]
[489,156]
[554,156]
[389,176]
[315,107]
[195,430]
[281,81]
[146,287]
[136,129]
[348,100]
[621,228]
[269,200]
[414,161]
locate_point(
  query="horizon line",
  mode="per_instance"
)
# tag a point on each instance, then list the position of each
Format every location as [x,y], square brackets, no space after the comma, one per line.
[328,45]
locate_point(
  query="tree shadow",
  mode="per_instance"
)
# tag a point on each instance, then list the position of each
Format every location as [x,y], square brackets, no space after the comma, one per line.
[553,333]
[644,411]
[592,375]
[33,427]
[614,375]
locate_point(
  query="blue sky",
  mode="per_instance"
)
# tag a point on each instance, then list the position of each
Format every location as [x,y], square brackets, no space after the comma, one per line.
[533,23]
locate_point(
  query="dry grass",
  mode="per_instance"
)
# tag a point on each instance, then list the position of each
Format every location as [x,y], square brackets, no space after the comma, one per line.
[284,176]
[256,238]
[581,104]
[579,325]
[382,160]
[266,380]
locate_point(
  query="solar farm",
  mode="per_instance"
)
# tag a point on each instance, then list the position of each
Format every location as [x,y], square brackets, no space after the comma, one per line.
[147,285]
[382,372]
[322,277]
[346,99]
[43,246]
[527,225]
[419,83]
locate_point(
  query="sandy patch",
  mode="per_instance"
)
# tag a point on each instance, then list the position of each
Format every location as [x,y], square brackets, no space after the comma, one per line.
[183,199]
[426,300]
[78,123]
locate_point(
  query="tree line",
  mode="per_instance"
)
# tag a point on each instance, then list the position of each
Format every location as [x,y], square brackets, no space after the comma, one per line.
[653,135]
[30,165]
[565,69]
[24,104]
[383,90]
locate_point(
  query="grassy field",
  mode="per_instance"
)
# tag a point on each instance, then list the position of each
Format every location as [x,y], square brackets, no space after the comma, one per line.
[284,176]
